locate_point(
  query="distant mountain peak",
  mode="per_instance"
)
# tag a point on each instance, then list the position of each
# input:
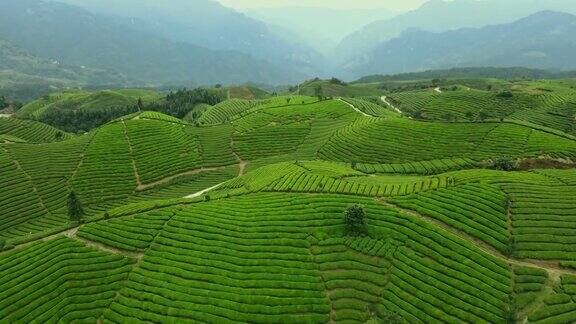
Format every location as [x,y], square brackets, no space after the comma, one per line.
[441,16]
[541,40]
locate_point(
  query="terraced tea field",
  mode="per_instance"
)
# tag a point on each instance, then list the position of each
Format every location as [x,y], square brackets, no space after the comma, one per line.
[551,105]
[241,214]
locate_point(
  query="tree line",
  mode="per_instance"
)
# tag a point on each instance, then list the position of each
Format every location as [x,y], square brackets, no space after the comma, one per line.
[181,102]
[5,102]
[176,103]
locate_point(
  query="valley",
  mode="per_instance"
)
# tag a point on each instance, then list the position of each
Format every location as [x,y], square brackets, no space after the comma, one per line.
[288,161]
[237,214]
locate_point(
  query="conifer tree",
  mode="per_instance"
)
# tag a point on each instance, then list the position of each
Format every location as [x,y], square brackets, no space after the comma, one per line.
[75,210]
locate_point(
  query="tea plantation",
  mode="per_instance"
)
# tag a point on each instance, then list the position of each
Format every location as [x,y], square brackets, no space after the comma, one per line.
[239,214]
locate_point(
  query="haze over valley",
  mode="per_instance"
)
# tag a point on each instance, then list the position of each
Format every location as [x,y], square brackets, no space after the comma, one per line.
[288,161]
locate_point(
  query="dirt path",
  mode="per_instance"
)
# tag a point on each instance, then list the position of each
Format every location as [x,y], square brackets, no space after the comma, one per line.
[108,249]
[553,267]
[354,107]
[200,193]
[146,186]
[539,301]
[30,180]
[242,167]
[82,156]
[71,233]
[385,100]
[136,174]
[438,90]
[241,163]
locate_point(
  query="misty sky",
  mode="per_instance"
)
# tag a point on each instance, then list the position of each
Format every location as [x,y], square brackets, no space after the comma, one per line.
[396,5]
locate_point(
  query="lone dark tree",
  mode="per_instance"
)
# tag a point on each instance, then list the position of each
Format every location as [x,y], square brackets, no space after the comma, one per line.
[417,114]
[449,117]
[318,92]
[505,94]
[75,210]
[482,116]
[355,219]
[140,104]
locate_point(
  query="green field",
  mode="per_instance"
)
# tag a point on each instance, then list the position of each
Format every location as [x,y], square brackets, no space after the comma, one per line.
[236,213]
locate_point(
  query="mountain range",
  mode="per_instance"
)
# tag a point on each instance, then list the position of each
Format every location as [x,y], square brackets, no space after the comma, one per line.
[208,24]
[543,40]
[441,16]
[48,44]
[321,28]
[73,36]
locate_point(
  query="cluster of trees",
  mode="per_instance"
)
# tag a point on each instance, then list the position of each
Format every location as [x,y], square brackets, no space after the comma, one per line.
[505,163]
[505,94]
[504,73]
[338,81]
[77,121]
[5,103]
[177,104]
[181,102]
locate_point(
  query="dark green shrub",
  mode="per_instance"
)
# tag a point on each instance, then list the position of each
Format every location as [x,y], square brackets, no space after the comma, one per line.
[355,219]
[75,210]
[505,94]
[505,164]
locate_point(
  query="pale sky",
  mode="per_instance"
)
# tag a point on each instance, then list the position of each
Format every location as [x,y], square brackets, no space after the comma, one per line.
[396,5]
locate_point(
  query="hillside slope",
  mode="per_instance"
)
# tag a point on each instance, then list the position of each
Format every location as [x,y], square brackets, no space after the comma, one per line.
[242,218]
[100,42]
[210,25]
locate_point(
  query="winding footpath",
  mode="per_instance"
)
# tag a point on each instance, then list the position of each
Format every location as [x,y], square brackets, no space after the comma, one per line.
[241,170]
[166,180]
[385,100]
[354,107]
[201,192]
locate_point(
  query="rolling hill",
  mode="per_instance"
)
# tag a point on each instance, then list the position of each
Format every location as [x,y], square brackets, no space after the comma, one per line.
[25,76]
[80,111]
[78,100]
[241,216]
[510,73]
